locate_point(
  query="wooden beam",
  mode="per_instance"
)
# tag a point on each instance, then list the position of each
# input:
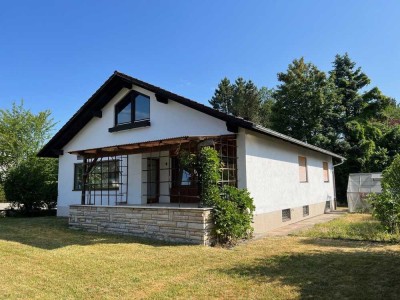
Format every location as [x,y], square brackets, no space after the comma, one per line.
[97,113]
[58,151]
[232,127]
[162,99]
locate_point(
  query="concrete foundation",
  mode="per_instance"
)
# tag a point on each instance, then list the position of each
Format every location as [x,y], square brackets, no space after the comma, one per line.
[268,221]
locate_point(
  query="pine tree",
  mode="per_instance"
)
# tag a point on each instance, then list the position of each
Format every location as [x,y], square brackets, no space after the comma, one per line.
[267,102]
[241,99]
[223,95]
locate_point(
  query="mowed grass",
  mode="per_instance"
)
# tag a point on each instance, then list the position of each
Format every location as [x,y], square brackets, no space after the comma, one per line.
[352,227]
[40,258]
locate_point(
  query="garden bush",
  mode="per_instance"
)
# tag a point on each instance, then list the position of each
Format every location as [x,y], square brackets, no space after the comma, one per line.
[386,206]
[233,215]
[32,185]
[232,207]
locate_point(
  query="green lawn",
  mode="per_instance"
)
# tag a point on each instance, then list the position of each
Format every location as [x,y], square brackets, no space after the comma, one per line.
[360,227]
[41,258]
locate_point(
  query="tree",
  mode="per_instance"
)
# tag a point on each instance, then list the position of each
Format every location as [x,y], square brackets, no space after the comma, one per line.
[305,105]
[349,81]
[246,100]
[32,185]
[22,135]
[267,102]
[242,99]
[360,125]
[223,95]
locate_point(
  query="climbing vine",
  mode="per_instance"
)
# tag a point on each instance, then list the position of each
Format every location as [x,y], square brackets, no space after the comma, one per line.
[232,207]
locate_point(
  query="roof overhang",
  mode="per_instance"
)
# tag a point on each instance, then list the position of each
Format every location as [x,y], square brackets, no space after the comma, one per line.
[117,81]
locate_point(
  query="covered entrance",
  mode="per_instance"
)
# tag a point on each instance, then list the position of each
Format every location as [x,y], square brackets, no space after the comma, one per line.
[151,171]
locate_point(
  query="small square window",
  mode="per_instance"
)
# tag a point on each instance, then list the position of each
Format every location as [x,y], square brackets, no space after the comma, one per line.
[286,215]
[306,210]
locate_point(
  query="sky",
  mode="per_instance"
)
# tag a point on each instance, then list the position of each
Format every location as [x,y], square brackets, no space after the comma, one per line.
[55,54]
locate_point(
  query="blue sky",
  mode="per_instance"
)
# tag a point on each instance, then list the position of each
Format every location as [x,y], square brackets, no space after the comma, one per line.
[55,54]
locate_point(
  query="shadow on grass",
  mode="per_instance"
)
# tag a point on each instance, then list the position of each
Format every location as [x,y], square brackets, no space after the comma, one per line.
[51,233]
[345,243]
[329,275]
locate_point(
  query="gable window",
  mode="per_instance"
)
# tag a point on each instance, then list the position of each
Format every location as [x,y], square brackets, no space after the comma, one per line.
[103,176]
[325,169]
[303,176]
[131,112]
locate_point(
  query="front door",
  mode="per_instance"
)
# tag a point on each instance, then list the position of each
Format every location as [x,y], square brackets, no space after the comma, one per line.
[153,180]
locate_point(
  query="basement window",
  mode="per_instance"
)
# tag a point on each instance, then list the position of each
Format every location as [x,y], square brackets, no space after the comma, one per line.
[306,210]
[286,215]
[132,111]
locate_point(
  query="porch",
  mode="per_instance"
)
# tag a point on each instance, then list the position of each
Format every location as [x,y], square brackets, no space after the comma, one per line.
[143,189]
[150,172]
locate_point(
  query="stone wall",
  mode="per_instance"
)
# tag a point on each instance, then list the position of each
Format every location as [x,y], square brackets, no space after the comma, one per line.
[183,225]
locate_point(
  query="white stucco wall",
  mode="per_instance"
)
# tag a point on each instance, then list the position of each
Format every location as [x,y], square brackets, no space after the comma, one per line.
[267,167]
[167,120]
[272,174]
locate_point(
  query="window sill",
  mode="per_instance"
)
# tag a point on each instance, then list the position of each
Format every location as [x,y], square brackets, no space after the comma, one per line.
[138,124]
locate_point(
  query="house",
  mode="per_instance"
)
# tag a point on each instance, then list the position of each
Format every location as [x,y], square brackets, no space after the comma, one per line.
[119,170]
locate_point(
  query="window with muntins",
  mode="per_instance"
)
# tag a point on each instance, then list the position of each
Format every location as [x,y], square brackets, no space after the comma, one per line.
[103,176]
[303,176]
[132,111]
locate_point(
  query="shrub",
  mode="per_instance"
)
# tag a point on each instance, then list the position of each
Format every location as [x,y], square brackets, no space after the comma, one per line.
[32,185]
[232,208]
[386,206]
[233,214]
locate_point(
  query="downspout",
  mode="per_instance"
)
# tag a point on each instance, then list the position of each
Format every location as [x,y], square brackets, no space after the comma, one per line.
[342,160]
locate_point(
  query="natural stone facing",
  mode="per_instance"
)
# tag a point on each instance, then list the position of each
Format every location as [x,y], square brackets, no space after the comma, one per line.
[174,224]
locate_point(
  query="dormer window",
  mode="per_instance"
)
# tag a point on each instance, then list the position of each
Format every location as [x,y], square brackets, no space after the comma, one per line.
[132,111]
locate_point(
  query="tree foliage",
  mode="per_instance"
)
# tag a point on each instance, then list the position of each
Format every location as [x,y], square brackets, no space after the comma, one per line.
[306,105]
[386,206]
[32,185]
[243,99]
[22,135]
[28,182]
[336,111]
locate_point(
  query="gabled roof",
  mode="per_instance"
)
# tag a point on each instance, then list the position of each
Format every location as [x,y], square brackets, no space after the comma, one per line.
[117,81]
